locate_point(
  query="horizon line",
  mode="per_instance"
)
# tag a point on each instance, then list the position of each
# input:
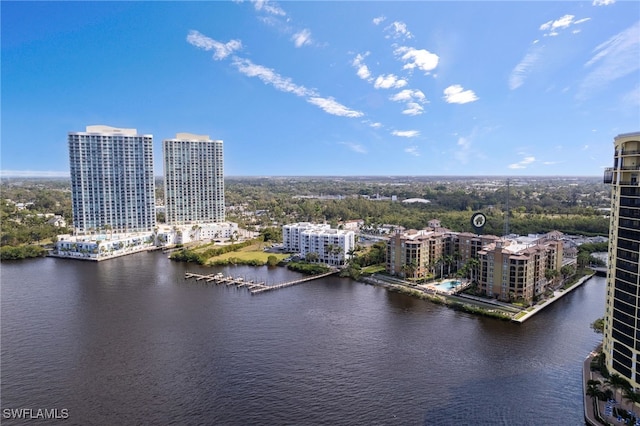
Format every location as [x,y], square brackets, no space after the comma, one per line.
[67,174]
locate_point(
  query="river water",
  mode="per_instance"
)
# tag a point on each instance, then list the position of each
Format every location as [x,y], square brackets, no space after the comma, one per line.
[130,341]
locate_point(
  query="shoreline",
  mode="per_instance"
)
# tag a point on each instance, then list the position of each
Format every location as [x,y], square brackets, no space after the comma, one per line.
[475,305]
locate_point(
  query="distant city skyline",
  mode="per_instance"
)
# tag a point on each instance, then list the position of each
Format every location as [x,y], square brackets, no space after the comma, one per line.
[328,88]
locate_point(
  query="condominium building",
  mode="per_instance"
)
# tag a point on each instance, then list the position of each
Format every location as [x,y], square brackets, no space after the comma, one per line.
[112,184]
[432,251]
[414,253]
[518,269]
[325,245]
[621,343]
[194,179]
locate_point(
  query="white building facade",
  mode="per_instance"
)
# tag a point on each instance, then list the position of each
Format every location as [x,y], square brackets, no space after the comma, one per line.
[194,179]
[329,246]
[112,183]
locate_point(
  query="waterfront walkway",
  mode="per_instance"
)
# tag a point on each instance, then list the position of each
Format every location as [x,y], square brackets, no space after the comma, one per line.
[531,311]
[517,314]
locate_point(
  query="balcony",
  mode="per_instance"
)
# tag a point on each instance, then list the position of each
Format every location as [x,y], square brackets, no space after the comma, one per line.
[628,152]
[608,175]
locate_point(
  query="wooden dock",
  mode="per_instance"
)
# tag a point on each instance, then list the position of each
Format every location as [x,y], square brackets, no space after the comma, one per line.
[254,287]
[290,283]
[221,279]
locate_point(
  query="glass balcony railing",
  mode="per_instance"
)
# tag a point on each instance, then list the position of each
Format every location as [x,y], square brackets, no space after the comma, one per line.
[608,175]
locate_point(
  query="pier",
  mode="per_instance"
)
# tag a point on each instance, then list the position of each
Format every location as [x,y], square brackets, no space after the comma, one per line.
[254,287]
[222,280]
[291,283]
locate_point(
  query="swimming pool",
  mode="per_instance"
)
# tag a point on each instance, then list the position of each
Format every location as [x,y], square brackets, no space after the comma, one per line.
[448,285]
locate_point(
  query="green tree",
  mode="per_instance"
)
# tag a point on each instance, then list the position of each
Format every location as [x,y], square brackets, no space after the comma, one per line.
[593,388]
[311,257]
[583,259]
[617,382]
[567,270]
[633,397]
[598,325]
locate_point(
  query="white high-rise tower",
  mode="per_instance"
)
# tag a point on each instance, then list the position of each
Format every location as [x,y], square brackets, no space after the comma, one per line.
[112,182]
[193,179]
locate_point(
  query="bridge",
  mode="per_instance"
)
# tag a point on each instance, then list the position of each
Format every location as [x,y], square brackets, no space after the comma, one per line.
[599,270]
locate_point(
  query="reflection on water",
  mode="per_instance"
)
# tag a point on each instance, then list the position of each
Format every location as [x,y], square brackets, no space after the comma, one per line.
[129,340]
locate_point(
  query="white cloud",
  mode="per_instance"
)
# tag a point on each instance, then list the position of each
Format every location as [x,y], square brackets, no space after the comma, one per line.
[516,79]
[603,2]
[417,58]
[362,70]
[333,107]
[375,125]
[455,94]
[412,150]
[563,22]
[301,38]
[398,29]
[523,163]
[355,147]
[221,50]
[462,153]
[389,81]
[268,76]
[272,78]
[552,27]
[613,59]
[379,20]
[413,98]
[632,98]
[551,163]
[413,109]
[269,7]
[408,95]
[406,133]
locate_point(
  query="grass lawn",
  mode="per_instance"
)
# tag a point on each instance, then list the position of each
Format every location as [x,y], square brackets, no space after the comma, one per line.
[373,269]
[254,251]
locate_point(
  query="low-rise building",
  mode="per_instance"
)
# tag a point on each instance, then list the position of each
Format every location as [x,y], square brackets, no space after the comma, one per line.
[318,242]
[104,246]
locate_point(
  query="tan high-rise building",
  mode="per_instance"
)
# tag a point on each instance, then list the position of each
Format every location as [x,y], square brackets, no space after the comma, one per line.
[621,343]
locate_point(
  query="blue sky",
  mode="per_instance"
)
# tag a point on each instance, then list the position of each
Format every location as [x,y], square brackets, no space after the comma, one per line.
[328,88]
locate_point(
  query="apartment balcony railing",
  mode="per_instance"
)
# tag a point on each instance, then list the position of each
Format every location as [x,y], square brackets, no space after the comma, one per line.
[628,152]
[608,175]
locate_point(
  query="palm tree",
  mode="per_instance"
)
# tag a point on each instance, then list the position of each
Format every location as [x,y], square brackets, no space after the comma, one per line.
[409,269]
[449,260]
[328,250]
[631,396]
[440,262]
[430,266]
[473,265]
[617,382]
[593,388]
